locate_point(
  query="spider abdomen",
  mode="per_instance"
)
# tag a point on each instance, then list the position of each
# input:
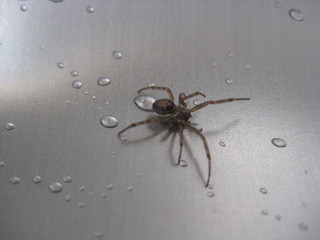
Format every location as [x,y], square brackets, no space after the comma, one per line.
[163,106]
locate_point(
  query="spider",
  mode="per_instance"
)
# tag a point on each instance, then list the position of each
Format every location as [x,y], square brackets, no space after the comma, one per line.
[178,116]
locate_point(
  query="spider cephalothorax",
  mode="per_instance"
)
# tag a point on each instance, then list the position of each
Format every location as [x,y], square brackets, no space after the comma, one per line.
[178,115]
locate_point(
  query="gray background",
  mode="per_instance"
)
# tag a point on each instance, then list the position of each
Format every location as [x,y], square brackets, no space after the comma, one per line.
[183,45]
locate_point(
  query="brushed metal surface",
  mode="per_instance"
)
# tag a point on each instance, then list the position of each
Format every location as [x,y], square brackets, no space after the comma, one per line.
[192,45]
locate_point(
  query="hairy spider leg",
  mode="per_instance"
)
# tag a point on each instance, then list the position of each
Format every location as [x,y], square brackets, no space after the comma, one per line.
[193,95]
[206,147]
[136,124]
[202,105]
[168,90]
[180,131]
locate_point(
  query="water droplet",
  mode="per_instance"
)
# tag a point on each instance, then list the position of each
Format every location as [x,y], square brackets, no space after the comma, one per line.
[303,226]
[264,212]
[210,186]
[67,198]
[109,121]
[56,1]
[2,164]
[145,102]
[67,179]
[90,193]
[197,126]
[213,64]
[90,9]
[183,163]
[296,14]
[222,144]
[151,84]
[112,153]
[138,174]
[109,186]
[130,188]
[93,97]
[123,137]
[306,171]
[277,5]
[278,217]
[9,126]
[81,204]
[104,81]
[77,84]
[98,234]
[229,80]
[24,8]
[263,190]
[81,189]
[278,142]
[74,73]
[210,194]
[197,102]
[85,92]
[55,187]
[36,179]
[104,195]
[60,65]
[99,108]
[117,55]
[231,54]
[107,103]
[15,180]
[1,42]
[248,66]
[67,102]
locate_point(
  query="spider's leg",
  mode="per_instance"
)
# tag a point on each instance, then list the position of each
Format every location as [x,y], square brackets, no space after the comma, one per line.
[180,131]
[191,128]
[168,90]
[193,95]
[202,105]
[150,120]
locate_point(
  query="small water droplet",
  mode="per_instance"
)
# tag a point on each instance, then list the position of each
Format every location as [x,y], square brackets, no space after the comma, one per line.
[306,171]
[264,212]
[67,102]
[90,9]
[109,121]
[36,179]
[197,102]
[117,55]
[67,179]
[56,1]
[74,73]
[151,84]
[77,84]
[104,195]
[278,142]
[197,126]
[107,103]
[93,97]
[112,153]
[248,66]
[229,80]
[109,186]
[183,163]
[67,198]
[85,92]
[210,186]
[9,126]
[90,193]
[24,8]
[213,64]
[210,194]
[81,189]
[55,187]
[130,188]
[303,226]
[231,54]
[1,42]
[278,217]
[296,14]
[104,81]
[123,137]
[81,204]
[99,234]
[222,144]
[60,65]
[15,180]
[2,164]
[263,190]
[277,5]
[138,174]
[145,102]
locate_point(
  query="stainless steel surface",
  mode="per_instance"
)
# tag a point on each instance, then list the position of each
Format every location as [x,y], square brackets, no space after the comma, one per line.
[185,45]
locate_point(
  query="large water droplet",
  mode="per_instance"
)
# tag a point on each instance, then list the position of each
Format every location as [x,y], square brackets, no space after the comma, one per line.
[55,187]
[210,194]
[36,179]
[296,14]
[278,142]
[9,126]
[74,73]
[77,84]
[117,54]
[109,121]
[303,226]
[24,8]
[263,190]
[104,81]
[67,179]
[15,180]
[145,102]
[90,9]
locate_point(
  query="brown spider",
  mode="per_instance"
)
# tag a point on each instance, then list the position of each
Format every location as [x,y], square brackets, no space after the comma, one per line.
[178,116]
